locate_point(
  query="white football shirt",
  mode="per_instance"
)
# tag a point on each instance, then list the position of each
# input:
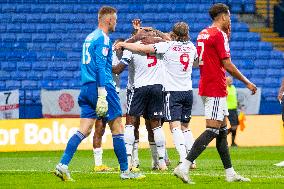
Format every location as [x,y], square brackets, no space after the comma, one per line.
[178,58]
[148,69]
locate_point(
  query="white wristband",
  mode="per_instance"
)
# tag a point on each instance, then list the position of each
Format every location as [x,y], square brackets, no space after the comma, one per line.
[102,91]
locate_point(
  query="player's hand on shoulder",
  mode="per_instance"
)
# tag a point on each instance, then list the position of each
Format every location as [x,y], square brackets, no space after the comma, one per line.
[102,104]
[252,88]
[119,46]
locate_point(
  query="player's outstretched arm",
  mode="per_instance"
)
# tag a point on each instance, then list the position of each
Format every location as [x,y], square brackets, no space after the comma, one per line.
[233,70]
[136,47]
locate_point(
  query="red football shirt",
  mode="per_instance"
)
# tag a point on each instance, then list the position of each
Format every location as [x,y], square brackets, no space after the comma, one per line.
[212,48]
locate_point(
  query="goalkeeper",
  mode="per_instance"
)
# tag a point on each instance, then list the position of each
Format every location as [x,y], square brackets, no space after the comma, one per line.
[98,96]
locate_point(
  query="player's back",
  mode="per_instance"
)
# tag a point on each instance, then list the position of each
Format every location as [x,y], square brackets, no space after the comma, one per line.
[147,68]
[96,57]
[178,58]
[212,48]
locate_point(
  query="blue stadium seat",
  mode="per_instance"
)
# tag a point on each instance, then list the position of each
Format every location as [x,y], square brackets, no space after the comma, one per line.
[66,8]
[63,84]
[49,75]
[19,18]
[74,56]
[273,73]
[261,73]
[39,37]
[272,82]
[35,75]
[8,8]
[9,37]
[263,64]
[29,84]
[43,28]
[4,75]
[52,9]
[65,75]
[24,66]
[249,8]
[19,75]
[5,18]
[71,66]
[33,18]
[263,54]
[13,28]
[3,28]
[55,66]
[48,46]
[74,84]
[29,28]
[77,75]
[253,36]
[265,46]
[24,37]
[54,38]
[11,84]
[276,63]
[35,8]
[277,54]
[40,66]
[30,56]
[48,18]
[247,73]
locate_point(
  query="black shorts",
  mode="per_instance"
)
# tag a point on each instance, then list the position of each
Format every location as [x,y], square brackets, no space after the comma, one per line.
[233,117]
[178,105]
[146,101]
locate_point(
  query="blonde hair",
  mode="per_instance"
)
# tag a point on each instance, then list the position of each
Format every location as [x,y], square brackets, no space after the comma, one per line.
[106,10]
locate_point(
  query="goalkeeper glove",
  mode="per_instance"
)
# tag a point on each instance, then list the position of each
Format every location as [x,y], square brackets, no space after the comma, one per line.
[102,104]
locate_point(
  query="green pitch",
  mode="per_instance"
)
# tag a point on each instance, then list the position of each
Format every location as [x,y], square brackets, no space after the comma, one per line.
[33,170]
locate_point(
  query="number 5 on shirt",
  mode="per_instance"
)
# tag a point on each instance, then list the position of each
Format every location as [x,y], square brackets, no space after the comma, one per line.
[154,60]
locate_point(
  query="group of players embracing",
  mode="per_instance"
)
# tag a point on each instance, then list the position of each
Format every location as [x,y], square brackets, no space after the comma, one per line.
[160,89]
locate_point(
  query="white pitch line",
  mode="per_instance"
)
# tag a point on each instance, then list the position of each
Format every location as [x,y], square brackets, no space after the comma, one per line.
[146,173]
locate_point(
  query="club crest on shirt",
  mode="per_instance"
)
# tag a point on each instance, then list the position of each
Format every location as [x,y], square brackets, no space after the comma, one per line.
[105,51]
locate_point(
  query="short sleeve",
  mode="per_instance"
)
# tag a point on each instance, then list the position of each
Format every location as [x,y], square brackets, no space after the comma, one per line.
[222,45]
[126,57]
[161,47]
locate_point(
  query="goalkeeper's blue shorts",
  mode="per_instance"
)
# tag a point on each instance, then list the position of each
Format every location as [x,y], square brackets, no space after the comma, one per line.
[88,99]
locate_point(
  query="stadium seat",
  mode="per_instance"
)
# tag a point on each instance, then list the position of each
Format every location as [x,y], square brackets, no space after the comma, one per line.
[19,75]
[29,84]
[55,66]
[13,28]
[35,75]
[273,73]
[11,84]
[262,64]
[276,63]
[40,66]
[272,82]
[72,66]
[49,75]
[24,66]
[260,73]
[276,54]
[65,75]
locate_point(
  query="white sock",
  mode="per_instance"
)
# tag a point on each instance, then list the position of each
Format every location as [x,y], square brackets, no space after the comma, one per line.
[160,141]
[135,158]
[188,139]
[185,165]
[129,141]
[153,148]
[230,171]
[98,156]
[179,142]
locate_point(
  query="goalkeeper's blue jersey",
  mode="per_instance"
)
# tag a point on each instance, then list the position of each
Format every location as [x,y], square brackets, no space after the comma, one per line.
[97,59]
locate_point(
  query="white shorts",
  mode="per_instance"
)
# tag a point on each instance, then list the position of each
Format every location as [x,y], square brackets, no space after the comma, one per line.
[215,107]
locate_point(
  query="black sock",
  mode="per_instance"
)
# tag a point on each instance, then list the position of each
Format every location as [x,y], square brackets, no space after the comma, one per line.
[222,147]
[234,132]
[201,143]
